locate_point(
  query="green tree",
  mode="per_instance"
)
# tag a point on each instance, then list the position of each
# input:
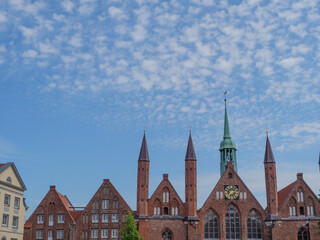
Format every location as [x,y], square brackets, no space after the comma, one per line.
[129,231]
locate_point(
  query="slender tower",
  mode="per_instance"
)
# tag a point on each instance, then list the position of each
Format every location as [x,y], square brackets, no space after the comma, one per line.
[227,146]
[271,179]
[143,179]
[191,179]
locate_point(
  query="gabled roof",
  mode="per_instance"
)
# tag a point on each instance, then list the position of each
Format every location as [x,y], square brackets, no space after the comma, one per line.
[165,179]
[75,214]
[284,192]
[3,167]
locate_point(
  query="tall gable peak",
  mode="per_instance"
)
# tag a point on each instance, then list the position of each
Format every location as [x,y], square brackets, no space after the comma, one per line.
[190,155]
[144,155]
[268,156]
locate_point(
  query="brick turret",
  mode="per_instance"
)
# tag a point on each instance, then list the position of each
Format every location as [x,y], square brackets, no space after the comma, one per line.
[143,179]
[191,180]
[271,179]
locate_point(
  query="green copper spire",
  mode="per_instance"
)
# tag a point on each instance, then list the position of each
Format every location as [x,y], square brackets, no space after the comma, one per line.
[227,147]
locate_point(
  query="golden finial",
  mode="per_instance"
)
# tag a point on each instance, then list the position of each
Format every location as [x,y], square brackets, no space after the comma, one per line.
[144,128]
[190,129]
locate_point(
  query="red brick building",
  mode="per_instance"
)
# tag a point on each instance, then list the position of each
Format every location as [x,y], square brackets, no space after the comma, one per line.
[231,211]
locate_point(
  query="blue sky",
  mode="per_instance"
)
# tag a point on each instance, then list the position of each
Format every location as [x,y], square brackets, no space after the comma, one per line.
[80,79]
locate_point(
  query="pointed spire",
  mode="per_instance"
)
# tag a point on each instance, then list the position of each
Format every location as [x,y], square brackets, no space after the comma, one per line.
[144,155]
[268,156]
[319,162]
[226,134]
[190,155]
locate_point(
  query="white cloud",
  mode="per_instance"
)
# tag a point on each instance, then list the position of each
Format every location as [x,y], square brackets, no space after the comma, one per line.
[224,65]
[47,48]
[3,17]
[290,62]
[76,41]
[117,13]
[28,32]
[30,54]
[67,5]
[150,65]
[139,33]
[3,48]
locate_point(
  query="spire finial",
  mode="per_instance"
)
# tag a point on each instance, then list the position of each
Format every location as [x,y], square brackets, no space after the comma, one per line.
[144,128]
[190,127]
[225,96]
[267,131]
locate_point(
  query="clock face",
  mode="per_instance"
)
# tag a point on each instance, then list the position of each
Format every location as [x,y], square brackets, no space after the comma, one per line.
[231,192]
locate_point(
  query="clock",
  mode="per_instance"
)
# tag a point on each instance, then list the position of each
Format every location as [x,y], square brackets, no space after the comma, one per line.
[231,192]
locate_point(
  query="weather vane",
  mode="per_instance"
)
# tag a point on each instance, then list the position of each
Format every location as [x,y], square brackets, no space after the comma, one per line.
[144,128]
[267,130]
[225,96]
[190,129]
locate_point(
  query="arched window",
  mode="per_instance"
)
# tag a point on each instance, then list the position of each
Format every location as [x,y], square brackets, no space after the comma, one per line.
[167,235]
[165,211]
[165,196]
[310,204]
[301,209]
[292,207]
[211,227]
[303,234]
[254,225]
[232,223]
[9,179]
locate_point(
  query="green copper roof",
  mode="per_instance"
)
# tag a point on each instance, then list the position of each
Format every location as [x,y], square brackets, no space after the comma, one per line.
[226,142]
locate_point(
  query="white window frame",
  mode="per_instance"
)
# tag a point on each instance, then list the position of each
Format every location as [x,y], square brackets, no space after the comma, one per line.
[172,211]
[105,204]
[114,233]
[167,196]
[217,195]
[5,220]
[241,195]
[7,199]
[60,233]
[221,195]
[39,234]
[244,195]
[164,197]
[104,233]
[94,233]
[51,220]
[60,218]
[95,217]
[301,197]
[40,218]
[176,210]
[104,217]
[298,196]
[15,221]
[115,217]
[50,235]
[16,203]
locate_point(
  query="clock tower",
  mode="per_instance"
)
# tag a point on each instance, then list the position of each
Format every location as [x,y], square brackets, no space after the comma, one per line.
[227,146]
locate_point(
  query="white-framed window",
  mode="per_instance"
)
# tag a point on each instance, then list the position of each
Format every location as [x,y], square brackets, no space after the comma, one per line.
[105,204]
[50,235]
[310,210]
[51,220]
[115,204]
[7,198]
[5,220]
[221,194]
[298,196]
[176,211]
[39,234]
[245,195]
[95,218]
[94,233]
[16,203]
[60,218]
[156,211]
[301,196]
[60,234]
[114,233]
[217,195]
[40,218]
[292,211]
[165,197]
[241,195]
[15,222]
[115,217]
[105,217]
[104,233]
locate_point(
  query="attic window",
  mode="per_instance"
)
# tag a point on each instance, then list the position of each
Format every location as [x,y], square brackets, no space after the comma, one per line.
[230,175]
[9,179]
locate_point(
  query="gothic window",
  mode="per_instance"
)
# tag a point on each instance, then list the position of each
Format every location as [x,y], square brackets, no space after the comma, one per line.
[165,211]
[292,207]
[254,225]
[232,223]
[165,196]
[211,225]
[115,204]
[300,195]
[303,234]
[167,235]
[310,210]
[156,211]
[106,190]
[301,210]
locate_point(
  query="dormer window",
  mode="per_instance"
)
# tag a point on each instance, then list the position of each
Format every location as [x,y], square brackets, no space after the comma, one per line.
[9,179]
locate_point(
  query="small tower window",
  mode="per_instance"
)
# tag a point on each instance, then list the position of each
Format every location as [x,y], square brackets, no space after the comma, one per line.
[230,175]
